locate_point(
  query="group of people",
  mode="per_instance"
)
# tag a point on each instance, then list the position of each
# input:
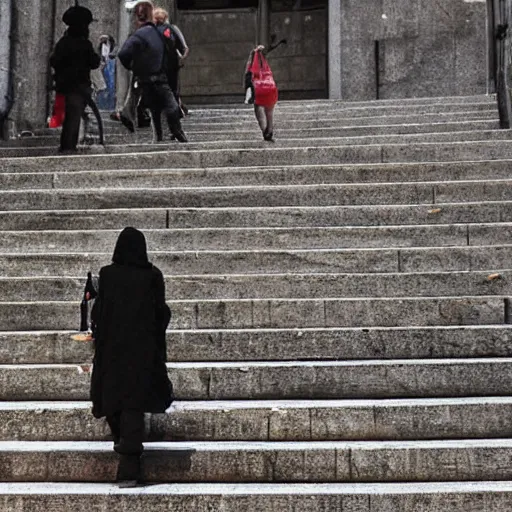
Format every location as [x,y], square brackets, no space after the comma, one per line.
[130,316]
[153,53]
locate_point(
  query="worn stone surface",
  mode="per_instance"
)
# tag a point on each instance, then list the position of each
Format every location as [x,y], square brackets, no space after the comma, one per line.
[280,344]
[312,380]
[287,286]
[319,297]
[32,242]
[425,461]
[272,420]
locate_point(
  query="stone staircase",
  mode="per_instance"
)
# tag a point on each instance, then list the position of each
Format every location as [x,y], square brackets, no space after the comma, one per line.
[340,338]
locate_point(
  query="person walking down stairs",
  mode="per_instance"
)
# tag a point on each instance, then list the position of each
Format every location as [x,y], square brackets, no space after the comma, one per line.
[129,319]
[144,53]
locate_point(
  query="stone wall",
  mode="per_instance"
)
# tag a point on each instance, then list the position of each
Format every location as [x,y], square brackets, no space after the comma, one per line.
[300,67]
[425,48]
[220,43]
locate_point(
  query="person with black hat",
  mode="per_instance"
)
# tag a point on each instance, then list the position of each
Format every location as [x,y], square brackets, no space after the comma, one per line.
[73,59]
[145,54]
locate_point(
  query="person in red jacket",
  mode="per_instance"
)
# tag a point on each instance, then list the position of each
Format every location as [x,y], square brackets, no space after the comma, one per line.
[263,104]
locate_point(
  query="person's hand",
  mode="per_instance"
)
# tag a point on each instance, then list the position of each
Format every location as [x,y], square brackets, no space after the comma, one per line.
[260,48]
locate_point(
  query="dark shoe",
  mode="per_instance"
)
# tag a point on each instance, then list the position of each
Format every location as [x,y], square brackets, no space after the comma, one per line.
[127,484]
[127,123]
[129,469]
[268,136]
[180,135]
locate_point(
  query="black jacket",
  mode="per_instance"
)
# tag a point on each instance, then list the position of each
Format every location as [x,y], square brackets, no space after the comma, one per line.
[130,318]
[143,52]
[73,59]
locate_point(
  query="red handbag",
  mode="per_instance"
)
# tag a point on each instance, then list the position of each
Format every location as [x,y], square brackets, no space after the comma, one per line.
[265,88]
[59,111]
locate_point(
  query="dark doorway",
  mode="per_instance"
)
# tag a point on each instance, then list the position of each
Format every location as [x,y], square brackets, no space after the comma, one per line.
[301,67]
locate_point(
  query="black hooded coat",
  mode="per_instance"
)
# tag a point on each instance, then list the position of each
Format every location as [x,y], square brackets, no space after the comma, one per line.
[129,319]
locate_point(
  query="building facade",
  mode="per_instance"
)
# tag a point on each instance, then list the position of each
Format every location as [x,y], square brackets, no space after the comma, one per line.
[344,49]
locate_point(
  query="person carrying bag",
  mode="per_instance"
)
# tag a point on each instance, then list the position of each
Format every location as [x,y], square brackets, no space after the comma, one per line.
[261,89]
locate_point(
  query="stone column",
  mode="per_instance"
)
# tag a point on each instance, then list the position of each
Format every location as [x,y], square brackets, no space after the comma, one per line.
[264,22]
[33,41]
[335,89]
[122,74]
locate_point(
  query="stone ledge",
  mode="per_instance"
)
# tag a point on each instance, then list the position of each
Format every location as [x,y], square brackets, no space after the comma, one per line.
[282,380]
[300,420]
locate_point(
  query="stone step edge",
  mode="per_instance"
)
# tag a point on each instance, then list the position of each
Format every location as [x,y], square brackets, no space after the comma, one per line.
[255,251]
[298,186]
[371,165]
[88,490]
[246,366]
[99,152]
[254,130]
[274,405]
[191,332]
[487,273]
[106,446]
[286,139]
[276,229]
[258,209]
[291,299]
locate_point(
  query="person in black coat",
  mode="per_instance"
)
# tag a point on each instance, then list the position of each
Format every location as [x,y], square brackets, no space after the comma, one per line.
[73,59]
[144,53]
[129,377]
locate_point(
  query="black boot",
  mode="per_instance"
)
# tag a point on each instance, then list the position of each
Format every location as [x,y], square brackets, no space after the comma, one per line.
[178,133]
[128,471]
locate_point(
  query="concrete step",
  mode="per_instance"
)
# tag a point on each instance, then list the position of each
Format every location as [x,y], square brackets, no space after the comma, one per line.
[222,239]
[272,380]
[253,141]
[250,217]
[58,347]
[261,176]
[431,497]
[298,420]
[430,259]
[367,194]
[331,118]
[282,313]
[283,132]
[314,103]
[254,216]
[236,121]
[465,460]
[290,285]
[347,109]
[270,156]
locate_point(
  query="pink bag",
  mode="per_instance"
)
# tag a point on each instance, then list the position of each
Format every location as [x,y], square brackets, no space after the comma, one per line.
[265,89]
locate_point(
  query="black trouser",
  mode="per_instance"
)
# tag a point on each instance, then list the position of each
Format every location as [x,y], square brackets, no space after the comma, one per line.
[160,99]
[76,102]
[127,429]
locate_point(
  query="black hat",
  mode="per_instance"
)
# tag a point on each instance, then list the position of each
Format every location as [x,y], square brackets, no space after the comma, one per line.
[77,15]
